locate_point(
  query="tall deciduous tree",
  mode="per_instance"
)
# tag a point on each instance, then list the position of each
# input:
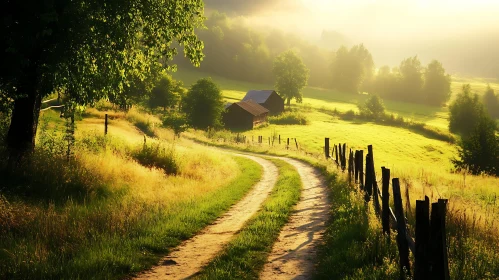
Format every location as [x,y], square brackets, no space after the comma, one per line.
[436,84]
[351,68]
[411,79]
[291,76]
[491,102]
[203,104]
[87,49]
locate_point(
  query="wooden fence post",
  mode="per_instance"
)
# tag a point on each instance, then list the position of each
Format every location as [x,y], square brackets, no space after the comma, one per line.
[269,141]
[361,168]
[356,163]
[105,125]
[287,146]
[401,230]
[326,147]
[279,139]
[438,239]
[422,265]
[336,154]
[368,187]
[344,166]
[296,143]
[385,212]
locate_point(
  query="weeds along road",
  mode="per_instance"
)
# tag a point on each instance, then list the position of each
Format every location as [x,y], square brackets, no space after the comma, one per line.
[292,256]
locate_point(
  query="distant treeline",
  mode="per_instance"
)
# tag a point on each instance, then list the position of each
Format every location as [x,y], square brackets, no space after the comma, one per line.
[236,51]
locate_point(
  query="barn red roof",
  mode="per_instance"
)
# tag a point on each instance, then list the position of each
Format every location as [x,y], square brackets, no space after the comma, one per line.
[253,108]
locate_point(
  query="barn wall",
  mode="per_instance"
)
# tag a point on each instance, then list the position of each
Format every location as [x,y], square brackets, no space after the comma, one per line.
[237,118]
[275,104]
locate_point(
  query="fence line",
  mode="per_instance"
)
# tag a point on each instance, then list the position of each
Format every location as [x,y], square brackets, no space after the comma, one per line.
[430,246]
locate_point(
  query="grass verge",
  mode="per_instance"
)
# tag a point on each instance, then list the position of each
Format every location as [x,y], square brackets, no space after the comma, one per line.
[353,245]
[110,237]
[245,255]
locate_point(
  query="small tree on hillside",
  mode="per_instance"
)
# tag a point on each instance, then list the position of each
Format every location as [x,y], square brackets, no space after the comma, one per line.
[291,76]
[203,104]
[479,152]
[167,93]
[465,112]
[372,108]
[491,102]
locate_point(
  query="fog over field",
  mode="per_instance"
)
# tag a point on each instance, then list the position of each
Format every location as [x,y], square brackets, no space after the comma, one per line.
[463,35]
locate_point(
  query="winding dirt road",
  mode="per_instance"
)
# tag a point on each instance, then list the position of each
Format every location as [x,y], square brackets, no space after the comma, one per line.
[190,256]
[293,254]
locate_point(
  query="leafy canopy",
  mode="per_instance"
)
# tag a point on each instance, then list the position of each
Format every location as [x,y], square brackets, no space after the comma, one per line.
[465,112]
[479,151]
[203,105]
[166,93]
[91,49]
[291,76]
[351,68]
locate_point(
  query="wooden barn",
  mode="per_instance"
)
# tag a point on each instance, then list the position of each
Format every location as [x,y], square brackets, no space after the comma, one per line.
[244,115]
[268,99]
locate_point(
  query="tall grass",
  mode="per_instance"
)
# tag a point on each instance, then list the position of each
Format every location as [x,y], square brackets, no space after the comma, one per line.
[104,215]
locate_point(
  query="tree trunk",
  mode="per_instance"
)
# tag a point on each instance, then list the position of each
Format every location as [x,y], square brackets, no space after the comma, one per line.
[288,102]
[22,130]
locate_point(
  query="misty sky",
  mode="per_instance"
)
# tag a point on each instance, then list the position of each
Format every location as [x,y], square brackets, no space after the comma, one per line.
[459,33]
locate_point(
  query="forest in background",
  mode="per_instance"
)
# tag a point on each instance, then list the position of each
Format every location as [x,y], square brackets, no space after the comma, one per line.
[238,51]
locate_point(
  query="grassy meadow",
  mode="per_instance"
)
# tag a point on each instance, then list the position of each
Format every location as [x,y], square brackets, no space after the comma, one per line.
[421,162]
[104,215]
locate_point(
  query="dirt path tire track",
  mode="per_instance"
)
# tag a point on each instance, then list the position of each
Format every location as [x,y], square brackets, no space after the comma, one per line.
[293,254]
[189,257]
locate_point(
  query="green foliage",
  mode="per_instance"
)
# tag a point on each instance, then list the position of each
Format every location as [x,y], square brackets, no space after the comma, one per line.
[479,151]
[465,112]
[203,104]
[411,82]
[237,51]
[491,102]
[289,117]
[351,68]
[157,156]
[245,255]
[166,93]
[291,76]
[373,108]
[176,121]
[89,51]
[436,89]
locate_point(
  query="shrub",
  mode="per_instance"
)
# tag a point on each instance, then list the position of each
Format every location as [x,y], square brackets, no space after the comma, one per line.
[479,152]
[372,108]
[348,115]
[154,155]
[289,117]
[203,105]
[166,94]
[465,112]
[176,121]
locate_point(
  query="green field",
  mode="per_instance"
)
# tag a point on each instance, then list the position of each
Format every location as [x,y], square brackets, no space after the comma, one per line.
[424,164]
[330,99]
